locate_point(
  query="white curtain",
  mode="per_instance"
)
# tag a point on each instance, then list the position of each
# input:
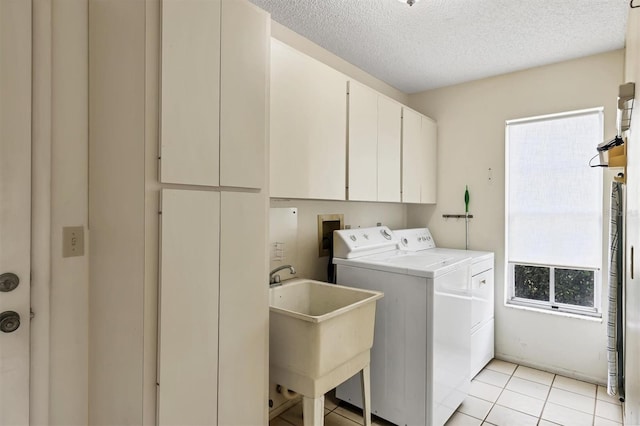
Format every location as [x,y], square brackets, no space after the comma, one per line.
[554,198]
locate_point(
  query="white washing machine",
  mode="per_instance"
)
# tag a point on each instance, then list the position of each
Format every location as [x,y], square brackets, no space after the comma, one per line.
[419,240]
[421,349]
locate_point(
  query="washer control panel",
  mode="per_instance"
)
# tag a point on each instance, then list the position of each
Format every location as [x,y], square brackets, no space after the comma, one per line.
[415,239]
[349,243]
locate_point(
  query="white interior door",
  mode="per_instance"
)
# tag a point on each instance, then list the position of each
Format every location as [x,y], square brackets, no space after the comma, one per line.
[15,209]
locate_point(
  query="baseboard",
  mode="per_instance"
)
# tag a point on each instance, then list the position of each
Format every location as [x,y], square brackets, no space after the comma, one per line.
[552,369]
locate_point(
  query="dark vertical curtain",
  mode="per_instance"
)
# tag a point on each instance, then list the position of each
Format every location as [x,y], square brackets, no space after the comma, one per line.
[615,380]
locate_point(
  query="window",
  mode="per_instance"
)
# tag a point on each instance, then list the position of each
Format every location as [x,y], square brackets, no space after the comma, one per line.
[554,212]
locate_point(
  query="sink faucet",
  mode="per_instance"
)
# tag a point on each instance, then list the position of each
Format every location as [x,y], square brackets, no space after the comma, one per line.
[275,279]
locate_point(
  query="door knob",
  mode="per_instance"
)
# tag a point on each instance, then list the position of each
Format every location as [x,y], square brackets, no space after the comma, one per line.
[9,321]
[8,282]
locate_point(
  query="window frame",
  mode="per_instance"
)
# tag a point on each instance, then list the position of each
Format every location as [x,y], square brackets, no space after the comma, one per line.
[509,268]
[552,305]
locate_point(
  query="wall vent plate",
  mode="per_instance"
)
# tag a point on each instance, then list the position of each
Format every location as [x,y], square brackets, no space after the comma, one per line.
[327,223]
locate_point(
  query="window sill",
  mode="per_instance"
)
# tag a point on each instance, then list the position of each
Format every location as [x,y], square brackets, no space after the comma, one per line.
[554,312]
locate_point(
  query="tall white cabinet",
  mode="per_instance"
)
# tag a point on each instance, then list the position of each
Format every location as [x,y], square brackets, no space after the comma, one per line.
[220,323]
[178,129]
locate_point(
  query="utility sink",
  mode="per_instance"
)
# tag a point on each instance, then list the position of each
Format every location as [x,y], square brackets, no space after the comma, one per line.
[319,336]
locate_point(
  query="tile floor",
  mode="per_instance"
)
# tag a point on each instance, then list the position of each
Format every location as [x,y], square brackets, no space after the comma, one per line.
[503,394]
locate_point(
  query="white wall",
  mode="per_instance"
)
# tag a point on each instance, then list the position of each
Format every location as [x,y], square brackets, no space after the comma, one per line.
[471,119]
[116,211]
[59,375]
[69,187]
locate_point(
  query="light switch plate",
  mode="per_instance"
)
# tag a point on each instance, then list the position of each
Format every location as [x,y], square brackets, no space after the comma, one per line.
[72,241]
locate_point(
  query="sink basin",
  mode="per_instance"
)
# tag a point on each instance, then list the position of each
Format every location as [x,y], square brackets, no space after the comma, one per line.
[319,334]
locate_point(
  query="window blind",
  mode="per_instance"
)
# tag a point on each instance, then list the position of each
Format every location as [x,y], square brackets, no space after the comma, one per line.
[554,199]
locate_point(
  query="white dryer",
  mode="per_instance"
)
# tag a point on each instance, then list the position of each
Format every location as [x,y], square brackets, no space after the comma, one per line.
[419,240]
[421,350]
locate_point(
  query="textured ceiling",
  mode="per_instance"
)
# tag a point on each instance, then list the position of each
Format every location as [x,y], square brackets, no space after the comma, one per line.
[438,43]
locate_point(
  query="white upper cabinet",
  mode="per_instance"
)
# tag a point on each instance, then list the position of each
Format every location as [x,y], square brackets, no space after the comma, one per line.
[374,146]
[389,137]
[215,57]
[334,139]
[308,127]
[362,155]
[419,135]
[428,160]
[411,174]
[190,94]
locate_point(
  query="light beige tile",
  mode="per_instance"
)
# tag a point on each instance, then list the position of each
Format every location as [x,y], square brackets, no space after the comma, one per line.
[460,419]
[572,400]
[503,416]
[475,407]
[493,378]
[529,388]
[543,422]
[350,412]
[599,421]
[294,415]
[501,366]
[334,419]
[279,421]
[603,395]
[330,402]
[534,375]
[520,402]
[609,411]
[565,416]
[484,391]
[576,386]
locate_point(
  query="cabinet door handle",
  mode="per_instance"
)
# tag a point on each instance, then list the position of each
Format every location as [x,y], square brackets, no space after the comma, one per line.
[483,282]
[632,262]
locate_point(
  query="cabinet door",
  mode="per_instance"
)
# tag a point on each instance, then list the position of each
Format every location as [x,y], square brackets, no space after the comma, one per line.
[389,135]
[362,154]
[482,297]
[244,310]
[411,151]
[188,308]
[308,127]
[428,160]
[244,79]
[190,95]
